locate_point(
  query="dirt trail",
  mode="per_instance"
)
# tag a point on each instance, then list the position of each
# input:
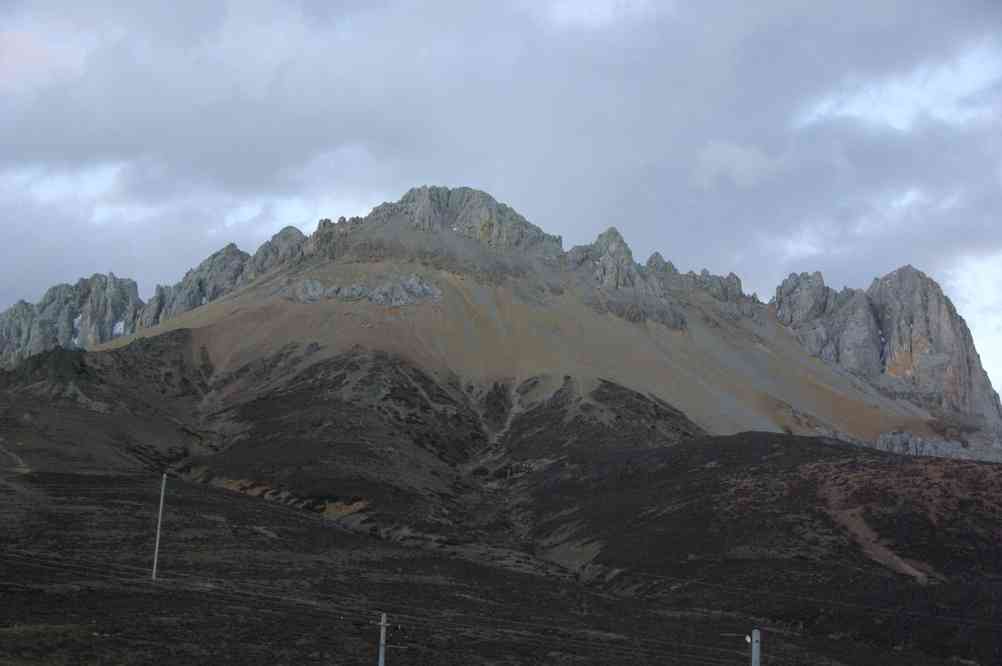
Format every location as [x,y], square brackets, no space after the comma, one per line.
[853,521]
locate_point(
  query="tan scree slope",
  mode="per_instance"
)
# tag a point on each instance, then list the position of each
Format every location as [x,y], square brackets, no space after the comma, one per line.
[727,376]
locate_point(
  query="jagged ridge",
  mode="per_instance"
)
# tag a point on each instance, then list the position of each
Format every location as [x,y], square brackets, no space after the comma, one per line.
[902,334]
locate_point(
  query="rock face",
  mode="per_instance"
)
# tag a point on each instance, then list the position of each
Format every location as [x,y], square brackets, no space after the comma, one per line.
[658,265]
[92,311]
[928,348]
[656,290]
[609,260]
[839,327]
[394,291]
[905,443]
[803,298]
[284,247]
[215,277]
[902,334]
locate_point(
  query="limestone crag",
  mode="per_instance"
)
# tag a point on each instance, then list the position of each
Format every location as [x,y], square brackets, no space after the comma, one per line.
[284,247]
[221,273]
[723,288]
[902,334]
[392,291]
[927,347]
[329,236]
[906,443]
[838,327]
[92,311]
[609,259]
[215,277]
[802,298]
[658,265]
[665,277]
[656,290]
[473,214]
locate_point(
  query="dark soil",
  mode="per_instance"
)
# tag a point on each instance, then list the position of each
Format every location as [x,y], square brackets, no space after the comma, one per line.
[495,524]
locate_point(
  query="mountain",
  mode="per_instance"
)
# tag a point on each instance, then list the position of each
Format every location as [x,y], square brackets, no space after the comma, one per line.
[440,378]
[900,367]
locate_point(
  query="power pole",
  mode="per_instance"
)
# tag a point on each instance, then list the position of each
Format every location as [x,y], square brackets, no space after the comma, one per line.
[160,518]
[756,647]
[382,640]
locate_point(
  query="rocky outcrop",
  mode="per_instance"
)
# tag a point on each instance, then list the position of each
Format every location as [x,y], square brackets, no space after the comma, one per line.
[213,278]
[393,291]
[928,349]
[658,265]
[473,214]
[803,298]
[838,327]
[620,284]
[906,443]
[609,260]
[656,290]
[902,334]
[285,247]
[330,237]
[92,311]
[666,277]
[723,288]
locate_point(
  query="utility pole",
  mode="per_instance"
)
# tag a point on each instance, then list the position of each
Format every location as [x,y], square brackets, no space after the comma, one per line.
[756,647]
[382,640]
[160,518]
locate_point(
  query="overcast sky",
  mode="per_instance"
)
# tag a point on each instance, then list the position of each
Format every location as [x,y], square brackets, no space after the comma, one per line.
[755,137]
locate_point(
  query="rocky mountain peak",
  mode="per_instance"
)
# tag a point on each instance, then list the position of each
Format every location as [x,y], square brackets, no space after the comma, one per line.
[902,333]
[215,277]
[72,316]
[612,243]
[609,260]
[658,264]
[928,344]
[473,214]
[284,247]
[289,234]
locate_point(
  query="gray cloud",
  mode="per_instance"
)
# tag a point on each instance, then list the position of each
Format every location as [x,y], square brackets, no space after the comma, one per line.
[676,122]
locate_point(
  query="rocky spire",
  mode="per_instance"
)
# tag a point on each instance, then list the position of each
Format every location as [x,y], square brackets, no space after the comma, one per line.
[609,260]
[802,298]
[614,267]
